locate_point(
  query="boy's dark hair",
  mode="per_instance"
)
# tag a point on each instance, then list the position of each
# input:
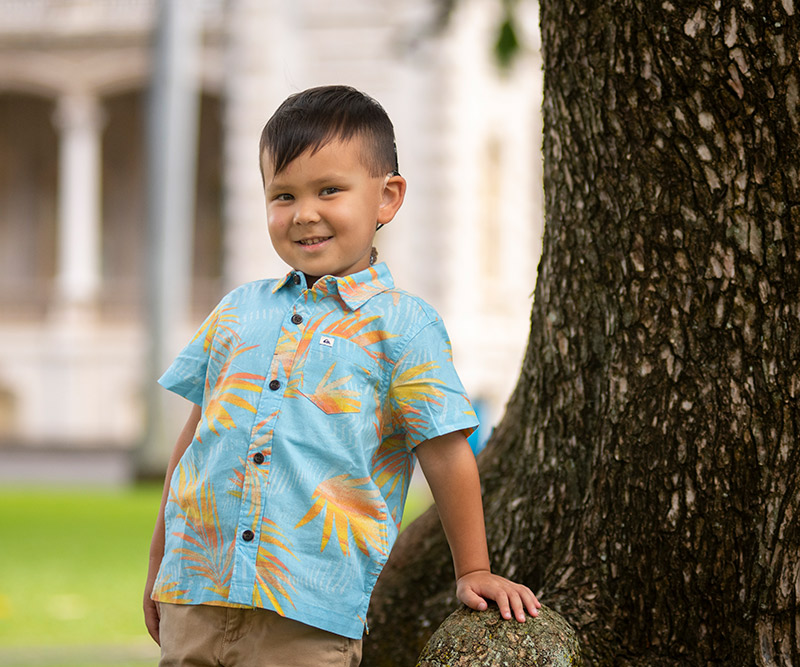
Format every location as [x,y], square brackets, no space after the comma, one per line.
[312,118]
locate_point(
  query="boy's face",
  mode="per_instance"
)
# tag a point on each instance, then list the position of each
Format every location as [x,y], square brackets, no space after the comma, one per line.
[322,209]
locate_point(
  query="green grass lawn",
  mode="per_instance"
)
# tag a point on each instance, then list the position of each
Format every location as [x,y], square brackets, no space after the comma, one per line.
[72,569]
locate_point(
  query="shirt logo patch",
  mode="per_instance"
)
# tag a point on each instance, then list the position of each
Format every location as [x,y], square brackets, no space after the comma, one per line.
[327,341]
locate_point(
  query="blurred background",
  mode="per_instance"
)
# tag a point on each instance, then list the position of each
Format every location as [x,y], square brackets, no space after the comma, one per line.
[130,202]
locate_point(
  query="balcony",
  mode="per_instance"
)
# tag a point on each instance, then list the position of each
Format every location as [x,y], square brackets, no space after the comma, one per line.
[82,19]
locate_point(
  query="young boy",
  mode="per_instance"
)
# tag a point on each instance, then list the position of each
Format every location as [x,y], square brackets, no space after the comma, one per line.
[312,394]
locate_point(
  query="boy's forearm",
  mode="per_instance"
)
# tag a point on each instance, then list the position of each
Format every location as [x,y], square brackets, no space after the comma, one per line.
[451,471]
[181,445]
[452,474]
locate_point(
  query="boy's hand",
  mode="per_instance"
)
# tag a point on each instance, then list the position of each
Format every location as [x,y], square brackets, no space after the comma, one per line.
[152,617]
[474,587]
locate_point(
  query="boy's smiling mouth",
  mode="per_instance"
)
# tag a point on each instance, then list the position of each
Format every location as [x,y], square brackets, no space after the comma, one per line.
[314,241]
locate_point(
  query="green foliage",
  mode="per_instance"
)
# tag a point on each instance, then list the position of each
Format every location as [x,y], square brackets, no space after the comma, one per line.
[507,45]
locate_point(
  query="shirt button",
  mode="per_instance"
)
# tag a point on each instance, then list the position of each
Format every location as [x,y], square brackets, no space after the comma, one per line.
[258,458]
[297,319]
[296,279]
[248,535]
[275,385]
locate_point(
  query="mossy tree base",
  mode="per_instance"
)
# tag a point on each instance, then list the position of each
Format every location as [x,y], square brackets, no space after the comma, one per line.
[470,638]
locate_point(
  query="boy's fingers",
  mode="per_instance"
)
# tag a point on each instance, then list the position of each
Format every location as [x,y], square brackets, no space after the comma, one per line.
[473,600]
[530,602]
[152,620]
[517,606]
[503,604]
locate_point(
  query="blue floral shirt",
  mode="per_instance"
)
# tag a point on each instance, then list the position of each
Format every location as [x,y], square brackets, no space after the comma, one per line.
[313,399]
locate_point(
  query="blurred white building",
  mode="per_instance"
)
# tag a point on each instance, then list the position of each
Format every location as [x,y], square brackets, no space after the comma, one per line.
[74,76]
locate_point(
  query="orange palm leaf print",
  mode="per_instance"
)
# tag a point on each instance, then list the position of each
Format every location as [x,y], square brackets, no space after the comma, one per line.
[285,350]
[350,510]
[249,482]
[272,575]
[351,328]
[331,398]
[266,437]
[366,288]
[216,411]
[221,318]
[205,546]
[293,386]
[250,479]
[306,338]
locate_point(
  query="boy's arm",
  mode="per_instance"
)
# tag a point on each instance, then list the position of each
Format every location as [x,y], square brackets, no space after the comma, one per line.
[452,474]
[151,613]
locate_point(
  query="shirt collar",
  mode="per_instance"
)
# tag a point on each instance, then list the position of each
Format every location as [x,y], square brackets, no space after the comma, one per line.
[355,290]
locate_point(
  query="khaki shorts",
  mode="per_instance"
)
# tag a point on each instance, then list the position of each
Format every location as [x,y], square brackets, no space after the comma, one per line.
[206,636]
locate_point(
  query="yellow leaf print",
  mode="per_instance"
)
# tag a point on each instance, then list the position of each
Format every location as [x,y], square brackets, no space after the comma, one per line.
[250,478]
[293,386]
[347,506]
[205,547]
[409,389]
[216,412]
[272,575]
[392,463]
[285,351]
[221,318]
[365,289]
[266,437]
[169,592]
[412,385]
[331,398]
[306,338]
[249,482]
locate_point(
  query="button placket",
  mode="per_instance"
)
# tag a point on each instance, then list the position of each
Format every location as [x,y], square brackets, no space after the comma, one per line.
[249,532]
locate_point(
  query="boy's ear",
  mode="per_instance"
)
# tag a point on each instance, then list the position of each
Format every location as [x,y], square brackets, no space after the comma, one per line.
[394,192]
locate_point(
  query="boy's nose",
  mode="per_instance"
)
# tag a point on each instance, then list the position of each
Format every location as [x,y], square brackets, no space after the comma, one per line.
[305,212]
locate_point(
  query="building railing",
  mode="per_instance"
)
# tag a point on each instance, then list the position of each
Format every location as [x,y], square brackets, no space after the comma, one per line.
[60,17]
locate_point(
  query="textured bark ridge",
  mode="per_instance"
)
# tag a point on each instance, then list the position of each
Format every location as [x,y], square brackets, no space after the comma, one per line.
[483,639]
[645,480]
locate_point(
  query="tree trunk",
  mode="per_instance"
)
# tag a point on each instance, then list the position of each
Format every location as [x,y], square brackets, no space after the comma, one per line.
[470,638]
[645,476]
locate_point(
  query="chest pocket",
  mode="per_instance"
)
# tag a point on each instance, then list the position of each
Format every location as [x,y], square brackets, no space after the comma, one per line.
[338,376]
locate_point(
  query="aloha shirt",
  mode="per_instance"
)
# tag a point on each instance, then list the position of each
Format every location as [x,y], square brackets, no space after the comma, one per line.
[313,399]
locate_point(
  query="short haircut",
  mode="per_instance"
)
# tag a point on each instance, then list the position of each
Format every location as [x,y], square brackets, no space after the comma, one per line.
[314,117]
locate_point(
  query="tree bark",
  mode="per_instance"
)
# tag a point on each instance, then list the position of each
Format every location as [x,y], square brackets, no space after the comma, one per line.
[484,639]
[645,476]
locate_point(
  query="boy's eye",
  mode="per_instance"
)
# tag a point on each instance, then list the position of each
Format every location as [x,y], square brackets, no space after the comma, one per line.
[284,196]
[329,191]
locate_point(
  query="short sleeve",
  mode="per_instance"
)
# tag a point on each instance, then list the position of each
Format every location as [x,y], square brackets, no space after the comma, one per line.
[187,375]
[426,397]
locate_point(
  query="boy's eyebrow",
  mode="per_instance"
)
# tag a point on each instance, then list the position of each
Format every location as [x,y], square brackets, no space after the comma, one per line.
[333,176]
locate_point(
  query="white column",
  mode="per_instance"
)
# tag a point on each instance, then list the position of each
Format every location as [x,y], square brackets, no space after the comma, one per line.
[265,63]
[79,119]
[172,165]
